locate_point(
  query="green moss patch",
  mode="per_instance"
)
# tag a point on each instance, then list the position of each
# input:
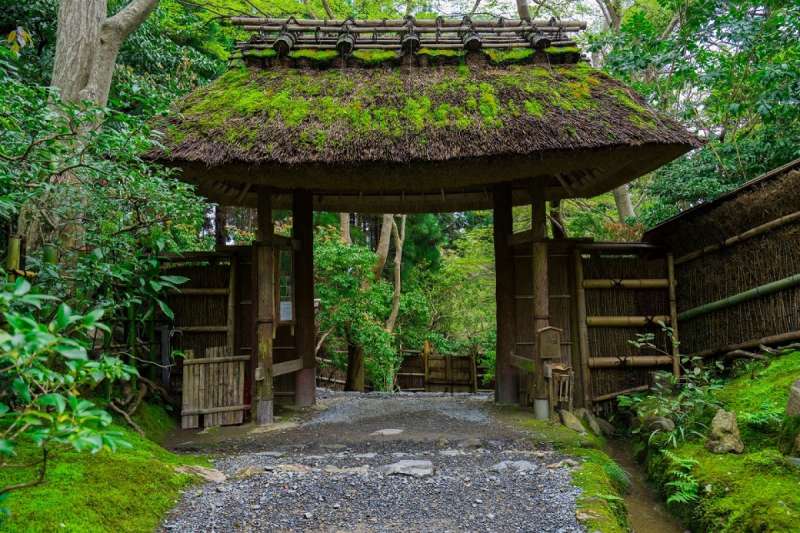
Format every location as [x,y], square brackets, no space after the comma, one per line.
[330,114]
[758,490]
[513,55]
[556,50]
[375,57]
[263,53]
[315,56]
[129,490]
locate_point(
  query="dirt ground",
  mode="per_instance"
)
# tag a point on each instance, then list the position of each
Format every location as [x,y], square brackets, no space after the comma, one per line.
[326,470]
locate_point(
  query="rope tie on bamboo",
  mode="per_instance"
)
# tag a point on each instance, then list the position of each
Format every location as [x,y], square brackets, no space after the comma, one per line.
[649,320]
[616,283]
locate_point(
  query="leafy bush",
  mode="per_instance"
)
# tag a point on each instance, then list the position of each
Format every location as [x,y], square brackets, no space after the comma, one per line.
[688,402]
[45,371]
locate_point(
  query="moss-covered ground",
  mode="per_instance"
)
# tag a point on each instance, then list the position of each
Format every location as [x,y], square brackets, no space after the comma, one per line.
[128,490]
[602,481]
[756,491]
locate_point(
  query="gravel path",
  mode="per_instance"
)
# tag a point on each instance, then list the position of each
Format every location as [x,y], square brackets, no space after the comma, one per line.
[329,473]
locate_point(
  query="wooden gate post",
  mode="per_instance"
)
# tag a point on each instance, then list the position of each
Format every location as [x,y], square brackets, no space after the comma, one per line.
[264,301]
[507,378]
[303,230]
[541,293]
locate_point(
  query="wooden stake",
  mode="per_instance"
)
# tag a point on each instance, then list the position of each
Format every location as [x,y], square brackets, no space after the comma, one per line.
[507,377]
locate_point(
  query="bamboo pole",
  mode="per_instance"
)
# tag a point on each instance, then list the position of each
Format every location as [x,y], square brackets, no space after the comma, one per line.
[626,284]
[673,317]
[745,296]
[753,232]
[632,361]
[50,254]
[13,257]
[625,321]
[231,293]
[772,340]
[612,395]
[583,331]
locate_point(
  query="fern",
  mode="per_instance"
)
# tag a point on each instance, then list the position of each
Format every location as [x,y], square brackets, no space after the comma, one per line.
[683,487]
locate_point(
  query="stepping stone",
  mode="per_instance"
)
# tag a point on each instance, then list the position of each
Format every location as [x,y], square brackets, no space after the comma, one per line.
[386,432]
[408,467]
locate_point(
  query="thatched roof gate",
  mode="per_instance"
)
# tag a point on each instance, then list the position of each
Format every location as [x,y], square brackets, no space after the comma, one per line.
[411,116]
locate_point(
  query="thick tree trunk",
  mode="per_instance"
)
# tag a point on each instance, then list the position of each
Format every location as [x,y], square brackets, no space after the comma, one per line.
[522,10]
[344,227]
[87,45]
[355,368]
[399,239]
[220,223]
[383,245]
[622,197]
[78,32]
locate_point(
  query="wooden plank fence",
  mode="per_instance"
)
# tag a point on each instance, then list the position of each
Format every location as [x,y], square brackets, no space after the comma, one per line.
[213,389]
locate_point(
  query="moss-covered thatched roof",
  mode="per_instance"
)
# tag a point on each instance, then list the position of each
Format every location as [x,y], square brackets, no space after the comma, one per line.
[448,124]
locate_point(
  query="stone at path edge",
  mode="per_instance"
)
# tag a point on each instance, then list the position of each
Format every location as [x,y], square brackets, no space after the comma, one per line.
[571,421]
[724,436]
[793,405]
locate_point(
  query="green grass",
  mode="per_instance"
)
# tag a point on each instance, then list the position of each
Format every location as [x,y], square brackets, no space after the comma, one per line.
[757,490]
[129,490]
[601,480]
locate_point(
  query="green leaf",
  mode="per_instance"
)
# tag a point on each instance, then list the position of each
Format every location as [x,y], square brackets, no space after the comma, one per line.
[166,310]
[53,400]
[6,447]
[21,287]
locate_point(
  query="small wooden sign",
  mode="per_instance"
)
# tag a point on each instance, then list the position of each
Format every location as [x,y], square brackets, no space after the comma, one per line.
[549,342]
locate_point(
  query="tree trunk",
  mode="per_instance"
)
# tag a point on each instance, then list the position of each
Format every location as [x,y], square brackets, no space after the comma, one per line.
[344,227]
[87,45]
[522,10]
[622,197]
[383,245]
[220,223]
[355,368]
[399,239]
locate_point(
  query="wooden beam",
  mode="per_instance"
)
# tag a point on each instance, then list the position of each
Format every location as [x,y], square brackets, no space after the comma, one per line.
[507,378]
[305,332]
[265,311]
[202,329]
[625,321]
[189,291]
[209,360]
[287,367]
[213,410]
[626,283]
